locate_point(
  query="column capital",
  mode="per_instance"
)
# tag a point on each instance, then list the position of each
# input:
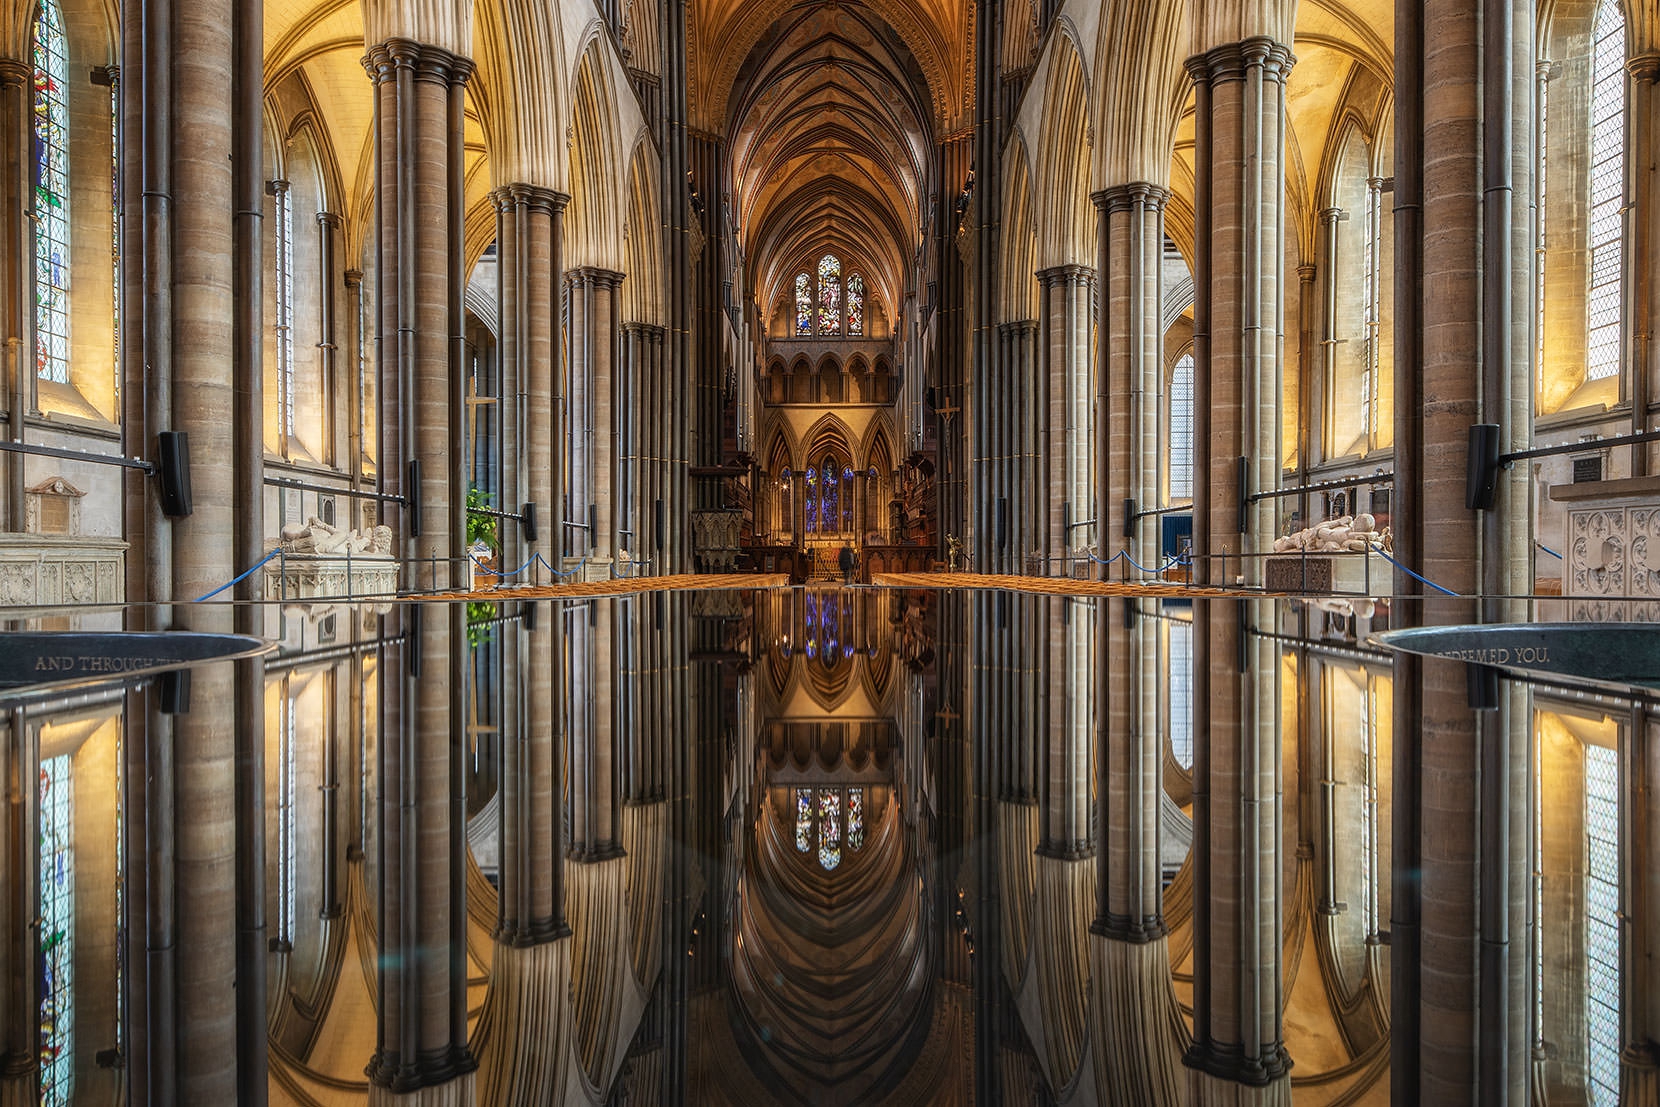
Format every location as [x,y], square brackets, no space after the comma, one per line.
[537,932]
[428,1068]
[1229,61]
[1330,216]
[1077,850]
[1065,274]
[533,197]
[16,74]
[595,275]
[353,278]
[428,63]
[1642,67]
[329,219]
[1227,1061]
[1142,194]
[1017,327]
[1122,928]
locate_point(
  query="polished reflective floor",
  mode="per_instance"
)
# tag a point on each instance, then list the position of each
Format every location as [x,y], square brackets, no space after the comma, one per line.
[823,845]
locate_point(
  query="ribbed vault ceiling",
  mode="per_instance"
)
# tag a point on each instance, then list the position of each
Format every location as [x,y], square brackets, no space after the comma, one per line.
[829,137]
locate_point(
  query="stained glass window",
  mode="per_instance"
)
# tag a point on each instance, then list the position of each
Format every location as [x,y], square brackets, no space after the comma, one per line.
[57,933]
[285,306]
[1602,336]
[803,304]
[1181,429]
[829,828]
[855,818]
[812,500]
[287,864]
[829,294]
[1602,925]
[51,195]
[855,305]
[1181,693]
[829,513]
[803,819]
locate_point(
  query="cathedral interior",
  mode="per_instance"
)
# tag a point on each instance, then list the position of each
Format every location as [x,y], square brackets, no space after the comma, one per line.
[903,552]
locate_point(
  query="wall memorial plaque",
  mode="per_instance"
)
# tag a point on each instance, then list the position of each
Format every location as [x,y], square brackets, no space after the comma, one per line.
[34,661]
[1627,654]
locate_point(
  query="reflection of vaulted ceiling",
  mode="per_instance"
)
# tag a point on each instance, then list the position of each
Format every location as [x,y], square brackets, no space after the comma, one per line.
[831,971]
[830,135]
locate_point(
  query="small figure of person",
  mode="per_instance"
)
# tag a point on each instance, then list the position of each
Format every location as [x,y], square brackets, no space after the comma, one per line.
[848,561]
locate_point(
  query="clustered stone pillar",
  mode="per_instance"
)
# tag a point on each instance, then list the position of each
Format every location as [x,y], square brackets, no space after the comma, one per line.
[594,295]
[1237,1054]
[421,1049]
[1459,1010]
[20,852]
[652,413]
[595,832]
[1021,520]
[529,240]
[17,314]
[1141,1026]
[1063,410]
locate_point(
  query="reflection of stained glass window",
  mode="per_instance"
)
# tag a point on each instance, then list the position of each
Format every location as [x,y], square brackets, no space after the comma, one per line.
[829,294]
[285,306]
[829,828]
[855,305]
[855,818]
[803,304]
[803,819]
[51,195]
[1602,924]
[57,933]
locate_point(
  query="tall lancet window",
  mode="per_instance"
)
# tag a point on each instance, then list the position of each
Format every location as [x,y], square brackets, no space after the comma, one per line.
[51,134]
[1602,334]
[803,304]
[829,294]
[1602,924]
[855,305]
[1181,429]
[57,932]
[285,307]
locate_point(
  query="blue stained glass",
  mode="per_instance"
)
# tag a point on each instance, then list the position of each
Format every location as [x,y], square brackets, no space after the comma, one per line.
[57,933]
[803,819]
[829,828]
[829,294]
[51,178]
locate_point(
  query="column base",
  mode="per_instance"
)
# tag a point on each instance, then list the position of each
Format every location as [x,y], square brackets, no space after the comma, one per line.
[457,1092]
[1213,1091]
[523,1033]
[1140,1034]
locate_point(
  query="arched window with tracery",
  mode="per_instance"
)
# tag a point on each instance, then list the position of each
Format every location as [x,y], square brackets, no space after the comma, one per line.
[855,305]
[51,181]
[1602,335]
[828,818]
[803,304]
[1180,436]
[829,294]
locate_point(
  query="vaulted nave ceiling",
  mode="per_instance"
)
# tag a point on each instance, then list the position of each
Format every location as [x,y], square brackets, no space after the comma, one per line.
[831,121]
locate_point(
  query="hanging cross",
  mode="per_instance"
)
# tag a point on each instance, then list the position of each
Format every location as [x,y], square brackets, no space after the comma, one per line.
[948,713]
[474,402]
[947,412]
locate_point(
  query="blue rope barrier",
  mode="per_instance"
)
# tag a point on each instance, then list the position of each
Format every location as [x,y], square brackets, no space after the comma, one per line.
[572,571]
[503,576]
[238,580]
[1414,576]
[1125,554]
[1548,550]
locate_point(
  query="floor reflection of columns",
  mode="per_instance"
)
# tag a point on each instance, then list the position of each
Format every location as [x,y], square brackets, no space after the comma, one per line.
[1237,1054]
[422,1047]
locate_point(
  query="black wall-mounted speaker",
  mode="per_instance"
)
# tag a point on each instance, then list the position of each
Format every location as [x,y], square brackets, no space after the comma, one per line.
[173,467]
[527,520]
[1481,479]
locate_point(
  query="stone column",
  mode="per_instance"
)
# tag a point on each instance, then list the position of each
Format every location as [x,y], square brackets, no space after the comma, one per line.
[592,409]
[1064,410]
[17,238]
[20,849]
[1464,154]
[529,222]
[1238,1054]
[1140,1030]
[1067,735]
[1642,215]
[1024,513]
[421,1049]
